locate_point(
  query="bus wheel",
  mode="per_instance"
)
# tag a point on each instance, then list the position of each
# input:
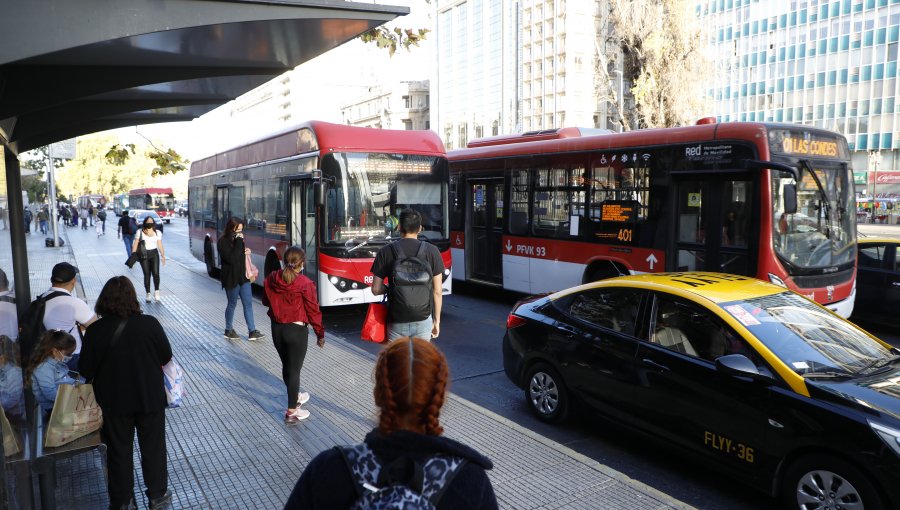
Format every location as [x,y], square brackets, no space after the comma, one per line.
[211,268]
[821,481]
[272,263]
[603,270]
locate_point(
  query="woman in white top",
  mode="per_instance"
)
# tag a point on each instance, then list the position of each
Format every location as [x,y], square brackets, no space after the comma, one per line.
[153,243]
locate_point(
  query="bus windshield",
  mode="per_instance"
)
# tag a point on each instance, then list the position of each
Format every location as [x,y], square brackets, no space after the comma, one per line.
[822,233]
[368,190]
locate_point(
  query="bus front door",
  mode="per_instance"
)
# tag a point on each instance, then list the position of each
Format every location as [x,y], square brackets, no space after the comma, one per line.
[713,224]
[486,202]
[302,224]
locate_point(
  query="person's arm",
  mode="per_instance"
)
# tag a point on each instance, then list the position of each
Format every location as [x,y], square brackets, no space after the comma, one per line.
[313,313]
[134,244]
[378,286]
[438,294]
[378,273]
[159,246]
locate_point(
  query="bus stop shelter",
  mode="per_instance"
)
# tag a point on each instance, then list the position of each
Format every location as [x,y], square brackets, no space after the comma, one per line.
[72,68]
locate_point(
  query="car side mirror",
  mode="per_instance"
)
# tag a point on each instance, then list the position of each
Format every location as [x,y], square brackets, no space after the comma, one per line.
[738,365]
[790,199]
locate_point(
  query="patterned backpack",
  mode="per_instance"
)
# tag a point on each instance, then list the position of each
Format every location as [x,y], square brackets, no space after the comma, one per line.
[420,487]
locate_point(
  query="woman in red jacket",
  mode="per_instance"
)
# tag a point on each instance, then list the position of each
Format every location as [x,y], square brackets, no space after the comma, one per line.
[293,307]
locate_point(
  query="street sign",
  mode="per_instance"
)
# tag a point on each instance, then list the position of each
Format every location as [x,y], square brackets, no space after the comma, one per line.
[64,149]
[859,177]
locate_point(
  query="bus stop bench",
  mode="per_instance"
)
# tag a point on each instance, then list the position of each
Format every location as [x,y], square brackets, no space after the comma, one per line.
[44,463]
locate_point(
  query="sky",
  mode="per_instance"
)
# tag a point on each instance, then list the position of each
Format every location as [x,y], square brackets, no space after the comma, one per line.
[325,83]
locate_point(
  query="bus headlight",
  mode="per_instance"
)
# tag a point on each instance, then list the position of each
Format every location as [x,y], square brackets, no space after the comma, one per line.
[334,280]
[776,280]
[345,284]
[890,436]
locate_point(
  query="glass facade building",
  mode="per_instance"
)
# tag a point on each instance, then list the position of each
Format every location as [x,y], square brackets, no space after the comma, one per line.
[826,63]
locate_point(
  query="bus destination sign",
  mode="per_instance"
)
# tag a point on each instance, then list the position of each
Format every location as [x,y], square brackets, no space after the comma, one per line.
[619,212]
[804,143]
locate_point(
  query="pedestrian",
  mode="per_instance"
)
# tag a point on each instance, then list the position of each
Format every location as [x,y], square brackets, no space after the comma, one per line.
[125,367]
[91,214]
[126,232]
[83,214]
[64,311]
[48,368]
[9,316]
[411,378]
[232,254]
[156,252]
[27,217]
[74,215]
[12,396]
[101,218]
[415,292]
[293,307]
[42,220]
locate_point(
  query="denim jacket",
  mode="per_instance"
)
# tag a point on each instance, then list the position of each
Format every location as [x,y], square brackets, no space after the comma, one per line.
[11,396]
[46,380]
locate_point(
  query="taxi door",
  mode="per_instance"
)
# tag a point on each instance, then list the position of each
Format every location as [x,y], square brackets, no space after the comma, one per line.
[596,332]
[682,397]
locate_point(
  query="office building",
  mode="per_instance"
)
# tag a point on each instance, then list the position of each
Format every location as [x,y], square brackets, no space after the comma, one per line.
[405,105]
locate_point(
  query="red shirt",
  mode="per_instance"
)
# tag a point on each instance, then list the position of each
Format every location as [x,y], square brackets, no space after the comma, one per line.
[293,302]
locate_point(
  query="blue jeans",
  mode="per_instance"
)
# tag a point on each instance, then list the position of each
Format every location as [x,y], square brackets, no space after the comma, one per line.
[419,329]
[128,239]
[246,294]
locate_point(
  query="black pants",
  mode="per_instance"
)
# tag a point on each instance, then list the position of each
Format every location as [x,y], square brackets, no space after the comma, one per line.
[151,266]
[118,434]
[290,341]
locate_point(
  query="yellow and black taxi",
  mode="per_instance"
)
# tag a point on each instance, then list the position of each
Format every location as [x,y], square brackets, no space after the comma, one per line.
[773,388]
[878,280]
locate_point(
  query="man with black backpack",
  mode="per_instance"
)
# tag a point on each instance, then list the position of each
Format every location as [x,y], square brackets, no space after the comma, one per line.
[414,270]
[127,227]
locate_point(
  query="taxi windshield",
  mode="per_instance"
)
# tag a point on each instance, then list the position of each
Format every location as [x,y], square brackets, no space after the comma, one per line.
[805,337]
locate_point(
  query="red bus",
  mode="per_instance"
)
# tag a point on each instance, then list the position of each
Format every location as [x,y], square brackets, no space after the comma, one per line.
[160,200]
[333,190]
[544,211]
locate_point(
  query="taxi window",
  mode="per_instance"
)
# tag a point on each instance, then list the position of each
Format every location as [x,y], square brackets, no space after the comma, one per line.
[872,255]
[614,309]
[681,326]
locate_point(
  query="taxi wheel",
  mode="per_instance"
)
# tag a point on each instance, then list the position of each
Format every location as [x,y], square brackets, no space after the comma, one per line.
[820,481]
[546,394]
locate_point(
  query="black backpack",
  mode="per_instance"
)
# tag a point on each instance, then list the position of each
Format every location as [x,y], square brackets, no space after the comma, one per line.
[402,485]
[410,289]
[101,215]
[31,324]
[132,226]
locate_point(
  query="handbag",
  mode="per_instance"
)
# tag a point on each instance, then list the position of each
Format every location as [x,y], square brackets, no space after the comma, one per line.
[75,414]
[10,443]
[142,250]
[374,328]
[173,376]
[251,271]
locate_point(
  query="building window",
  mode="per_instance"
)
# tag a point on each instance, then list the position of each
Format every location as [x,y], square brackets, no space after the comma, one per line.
[463,140]
[407,124]
[407,102]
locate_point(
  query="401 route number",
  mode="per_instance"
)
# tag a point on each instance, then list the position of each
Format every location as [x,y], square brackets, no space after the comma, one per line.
[625,235]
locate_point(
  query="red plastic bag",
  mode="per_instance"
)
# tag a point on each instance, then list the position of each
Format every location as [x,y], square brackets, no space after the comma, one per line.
[374,328]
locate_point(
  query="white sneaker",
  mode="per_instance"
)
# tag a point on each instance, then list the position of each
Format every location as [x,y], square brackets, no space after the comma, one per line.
[156,296]
[149,297]
[291,417]
[302,398]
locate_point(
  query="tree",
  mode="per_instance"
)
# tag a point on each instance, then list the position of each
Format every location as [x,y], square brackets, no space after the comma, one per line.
[394,38]
[93,172]
[664,57]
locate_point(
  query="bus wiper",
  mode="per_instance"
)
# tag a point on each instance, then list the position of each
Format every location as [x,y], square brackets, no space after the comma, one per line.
[822,194]
[360,245]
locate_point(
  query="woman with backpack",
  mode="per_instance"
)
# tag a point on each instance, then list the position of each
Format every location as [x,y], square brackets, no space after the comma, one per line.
[293,307]
[233,255]
[411,377]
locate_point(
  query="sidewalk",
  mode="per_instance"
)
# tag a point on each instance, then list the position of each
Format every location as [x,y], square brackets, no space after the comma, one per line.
[228,446]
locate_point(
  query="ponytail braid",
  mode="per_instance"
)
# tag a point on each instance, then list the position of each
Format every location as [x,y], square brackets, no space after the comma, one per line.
[432,411]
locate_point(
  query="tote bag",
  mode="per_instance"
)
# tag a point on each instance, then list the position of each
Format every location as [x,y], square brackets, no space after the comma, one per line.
[251,271]
[174,383]
[375,326]
[10,444]
[75,414]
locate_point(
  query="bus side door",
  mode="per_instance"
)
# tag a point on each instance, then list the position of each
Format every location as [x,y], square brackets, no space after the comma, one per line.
[302,223]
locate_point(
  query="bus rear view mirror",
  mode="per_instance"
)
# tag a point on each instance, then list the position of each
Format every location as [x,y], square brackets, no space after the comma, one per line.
[319,190]
[790,198]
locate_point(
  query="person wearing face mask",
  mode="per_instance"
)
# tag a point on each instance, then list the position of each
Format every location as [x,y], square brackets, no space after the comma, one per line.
[233,256]
[152,240]
[293,307]
[47,369]
[64,311]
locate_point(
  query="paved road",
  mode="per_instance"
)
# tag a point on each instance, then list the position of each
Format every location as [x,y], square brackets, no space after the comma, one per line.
[472,328]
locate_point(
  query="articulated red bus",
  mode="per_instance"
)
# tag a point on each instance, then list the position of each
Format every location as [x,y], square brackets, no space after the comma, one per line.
[547,210]
[333,190]
[160,200]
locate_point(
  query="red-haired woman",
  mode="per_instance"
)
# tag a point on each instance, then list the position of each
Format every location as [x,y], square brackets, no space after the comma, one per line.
[410,380]
[232,254]
[293,307]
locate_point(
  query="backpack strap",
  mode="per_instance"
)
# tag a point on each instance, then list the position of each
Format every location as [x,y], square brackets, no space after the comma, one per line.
[440,470]
[363,466]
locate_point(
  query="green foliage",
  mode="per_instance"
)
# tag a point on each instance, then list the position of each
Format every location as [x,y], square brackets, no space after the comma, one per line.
[118,154]
[397,37]
[36,188]
[168,162]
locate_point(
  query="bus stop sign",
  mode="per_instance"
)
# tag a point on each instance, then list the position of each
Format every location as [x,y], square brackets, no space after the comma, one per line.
[64,149]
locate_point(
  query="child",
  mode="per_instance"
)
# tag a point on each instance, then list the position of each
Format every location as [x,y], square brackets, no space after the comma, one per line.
[47,368]
[11,396]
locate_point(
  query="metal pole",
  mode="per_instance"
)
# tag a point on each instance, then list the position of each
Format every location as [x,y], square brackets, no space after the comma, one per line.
[17,231]
[51,184]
